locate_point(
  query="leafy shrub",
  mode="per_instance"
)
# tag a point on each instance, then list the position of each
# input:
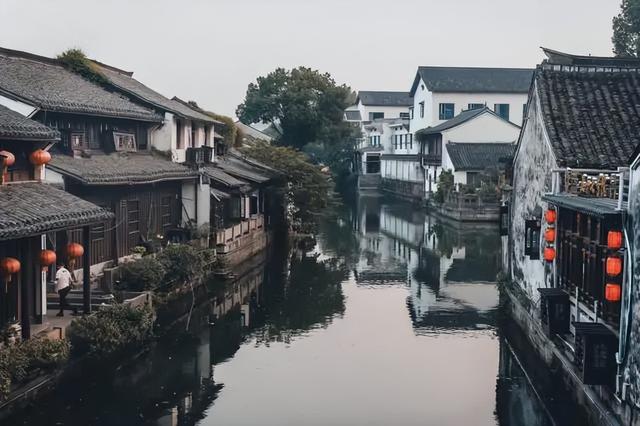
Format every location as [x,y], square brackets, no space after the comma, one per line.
[109,330]
[445,186]
[182,262]
[76,61]
[18,360]
[142,274]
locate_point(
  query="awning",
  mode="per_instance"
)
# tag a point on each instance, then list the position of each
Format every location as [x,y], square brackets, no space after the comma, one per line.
[219,195]
[599,207]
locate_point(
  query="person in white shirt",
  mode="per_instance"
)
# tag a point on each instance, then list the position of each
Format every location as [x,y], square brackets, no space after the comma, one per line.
[64,278]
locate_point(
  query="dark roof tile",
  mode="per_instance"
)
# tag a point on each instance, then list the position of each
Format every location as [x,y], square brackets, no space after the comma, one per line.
[592,118]
[44,83]
[474,80]
[379,98]
[120,169]
[32,208]
[479,156]
[14,125]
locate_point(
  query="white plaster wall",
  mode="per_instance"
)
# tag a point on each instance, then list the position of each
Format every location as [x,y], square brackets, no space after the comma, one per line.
[409,171]
[462,101]
[17,106]
[204,202]
[53,177]
[401,131]
[485,128]
[389,112]
[163,137]
[188,202]
[422,94]
[533,164]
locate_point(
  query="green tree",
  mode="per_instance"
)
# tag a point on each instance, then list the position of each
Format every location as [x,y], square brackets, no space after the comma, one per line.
[304,107]
[626,30]
[307,187]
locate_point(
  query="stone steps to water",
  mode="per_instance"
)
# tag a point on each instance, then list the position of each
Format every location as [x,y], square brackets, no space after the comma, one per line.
[75,299]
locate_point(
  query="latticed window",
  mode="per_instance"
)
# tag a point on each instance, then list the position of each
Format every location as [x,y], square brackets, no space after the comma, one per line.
[124,141]
[165,212]
[133,222]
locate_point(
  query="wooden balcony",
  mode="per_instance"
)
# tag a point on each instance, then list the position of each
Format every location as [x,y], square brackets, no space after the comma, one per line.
[432,160]
[235,232]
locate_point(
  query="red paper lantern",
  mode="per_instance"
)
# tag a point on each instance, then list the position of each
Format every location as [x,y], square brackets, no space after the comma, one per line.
[47,258]
[39,157]
[614,240]
[612,292]
[550,235]
[74,250]
[549,254]
[614,266]
[9,158]
[9,266]
[550,215]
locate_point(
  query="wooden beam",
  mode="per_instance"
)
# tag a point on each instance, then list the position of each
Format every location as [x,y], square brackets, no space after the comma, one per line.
[86,269]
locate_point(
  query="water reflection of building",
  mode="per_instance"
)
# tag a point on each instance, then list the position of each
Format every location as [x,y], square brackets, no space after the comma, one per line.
[517,401]
[450,272]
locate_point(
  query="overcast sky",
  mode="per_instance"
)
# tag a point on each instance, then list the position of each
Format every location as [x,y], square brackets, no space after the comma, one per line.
[209,50]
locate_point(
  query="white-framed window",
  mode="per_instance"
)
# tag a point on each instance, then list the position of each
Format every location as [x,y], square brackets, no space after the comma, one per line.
[475,106]
[124,141]
[422,109]
[411,113]
[404,115]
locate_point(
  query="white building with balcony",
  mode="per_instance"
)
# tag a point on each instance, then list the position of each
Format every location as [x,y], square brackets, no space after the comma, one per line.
[466,145]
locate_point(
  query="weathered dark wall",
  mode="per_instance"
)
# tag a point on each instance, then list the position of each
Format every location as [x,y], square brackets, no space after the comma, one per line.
[631,370]
[531,179]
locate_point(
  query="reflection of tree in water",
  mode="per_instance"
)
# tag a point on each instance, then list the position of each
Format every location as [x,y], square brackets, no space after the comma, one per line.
[308,298]
[337,236]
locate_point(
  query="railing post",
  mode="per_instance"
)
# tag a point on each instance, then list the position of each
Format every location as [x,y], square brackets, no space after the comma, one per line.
[620,187]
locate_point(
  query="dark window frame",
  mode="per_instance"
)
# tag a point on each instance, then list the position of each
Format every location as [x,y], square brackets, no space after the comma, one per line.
[446,111]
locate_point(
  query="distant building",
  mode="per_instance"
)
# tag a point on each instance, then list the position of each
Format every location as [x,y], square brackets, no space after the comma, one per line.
[444,96]
[478,138]
[441,93]
[374,105]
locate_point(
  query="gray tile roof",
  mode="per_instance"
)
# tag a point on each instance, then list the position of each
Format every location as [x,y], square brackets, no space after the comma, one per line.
[243,170]
[14,125]
[124,81]
[380,98]
[459,119]
[479,156]
[220,177]
[32,208]
[253,132]
[557,57]
[599,207]
[120,169]
[44,83]
[474,80]
[592,118]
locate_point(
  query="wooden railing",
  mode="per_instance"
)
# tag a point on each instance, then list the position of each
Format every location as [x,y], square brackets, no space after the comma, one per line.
[227,235]
[613,184]
[461,200]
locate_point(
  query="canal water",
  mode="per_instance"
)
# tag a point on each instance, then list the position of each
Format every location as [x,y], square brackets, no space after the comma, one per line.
[389,317]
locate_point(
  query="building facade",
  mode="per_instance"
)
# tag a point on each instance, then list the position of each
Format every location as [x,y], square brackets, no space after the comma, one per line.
[569,254]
